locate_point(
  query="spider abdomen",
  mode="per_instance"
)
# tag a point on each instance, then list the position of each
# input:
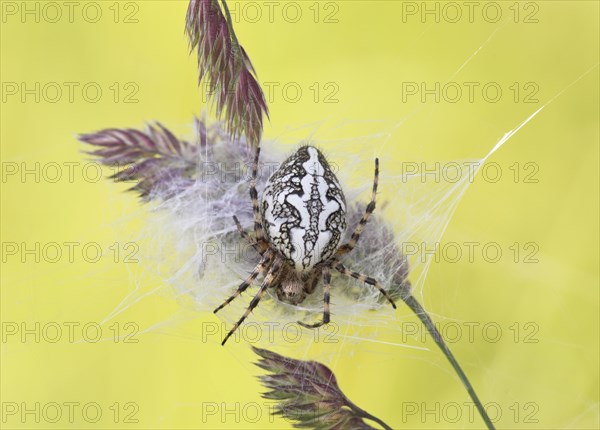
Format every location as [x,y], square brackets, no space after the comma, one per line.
[304,209]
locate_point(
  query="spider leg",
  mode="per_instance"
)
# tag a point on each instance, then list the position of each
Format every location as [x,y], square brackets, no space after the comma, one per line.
[260,268]
[326,289]
[258,226]
[366,279]
[344,249]
[268,281]
[258,246]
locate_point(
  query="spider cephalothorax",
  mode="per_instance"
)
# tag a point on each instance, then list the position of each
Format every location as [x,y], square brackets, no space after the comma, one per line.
[298,225]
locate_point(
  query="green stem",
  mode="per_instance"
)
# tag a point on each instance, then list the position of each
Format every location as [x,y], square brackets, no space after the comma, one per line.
[416,307]
[365,414]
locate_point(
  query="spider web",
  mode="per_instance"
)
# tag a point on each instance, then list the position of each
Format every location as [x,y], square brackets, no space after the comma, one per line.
[188,246]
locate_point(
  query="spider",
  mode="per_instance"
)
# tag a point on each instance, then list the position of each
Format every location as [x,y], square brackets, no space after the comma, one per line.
[298,226]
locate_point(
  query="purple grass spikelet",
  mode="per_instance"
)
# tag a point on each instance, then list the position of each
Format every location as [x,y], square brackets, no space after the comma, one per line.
[225,66]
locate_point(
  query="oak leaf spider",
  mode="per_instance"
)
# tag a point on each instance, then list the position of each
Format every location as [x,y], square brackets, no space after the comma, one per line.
[298,226]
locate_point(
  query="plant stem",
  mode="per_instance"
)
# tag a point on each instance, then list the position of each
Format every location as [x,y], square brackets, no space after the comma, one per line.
[365,414]
[416,307]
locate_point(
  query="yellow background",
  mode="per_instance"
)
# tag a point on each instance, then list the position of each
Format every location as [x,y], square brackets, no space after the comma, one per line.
[368,53]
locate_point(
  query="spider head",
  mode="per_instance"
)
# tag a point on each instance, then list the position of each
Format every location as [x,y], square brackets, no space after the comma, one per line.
[291,290]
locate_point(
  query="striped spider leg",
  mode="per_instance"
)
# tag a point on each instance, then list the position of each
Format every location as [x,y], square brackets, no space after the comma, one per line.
[268,282]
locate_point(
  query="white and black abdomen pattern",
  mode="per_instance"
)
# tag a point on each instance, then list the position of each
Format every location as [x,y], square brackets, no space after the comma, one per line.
[304,209]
